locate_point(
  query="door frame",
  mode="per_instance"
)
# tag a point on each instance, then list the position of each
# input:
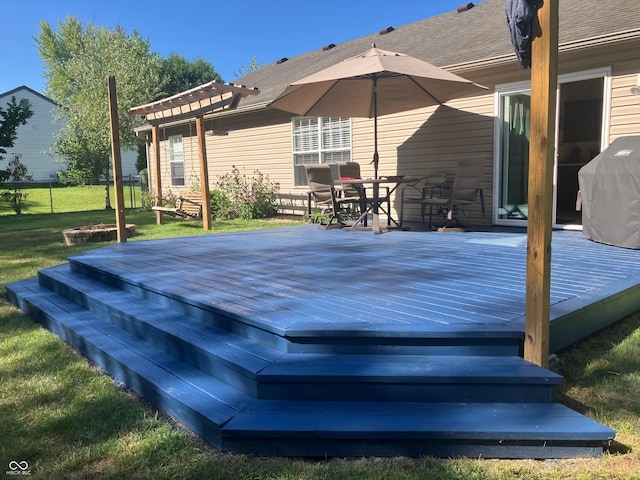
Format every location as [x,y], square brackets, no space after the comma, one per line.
[524,86]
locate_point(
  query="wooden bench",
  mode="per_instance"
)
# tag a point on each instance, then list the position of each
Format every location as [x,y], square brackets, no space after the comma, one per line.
[188,205]
[293,203]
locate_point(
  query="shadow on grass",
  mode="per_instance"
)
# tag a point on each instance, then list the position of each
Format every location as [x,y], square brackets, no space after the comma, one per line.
[601,375]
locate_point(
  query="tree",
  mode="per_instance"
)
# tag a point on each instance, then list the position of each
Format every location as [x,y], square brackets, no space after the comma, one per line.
[253,65]
[17,175]
[179,74]
[78,60]
[11,118]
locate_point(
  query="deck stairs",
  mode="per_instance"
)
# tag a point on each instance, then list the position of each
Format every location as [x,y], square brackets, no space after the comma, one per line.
[249,389]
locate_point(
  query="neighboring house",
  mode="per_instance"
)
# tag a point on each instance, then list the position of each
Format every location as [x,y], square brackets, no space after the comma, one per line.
[598,66]
[35,140]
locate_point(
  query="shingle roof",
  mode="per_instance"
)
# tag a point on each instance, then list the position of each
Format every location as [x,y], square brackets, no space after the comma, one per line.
[24,87]
[449,39]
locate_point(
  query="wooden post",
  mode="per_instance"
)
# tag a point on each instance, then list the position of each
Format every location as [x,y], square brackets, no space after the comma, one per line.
[544,82]
[117,161]
[157,180]
[204,174]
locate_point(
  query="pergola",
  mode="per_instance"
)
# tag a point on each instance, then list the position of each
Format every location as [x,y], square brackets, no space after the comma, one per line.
[195,103]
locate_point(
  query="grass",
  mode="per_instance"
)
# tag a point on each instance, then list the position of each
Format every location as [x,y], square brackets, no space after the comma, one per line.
[68,420]
[59,198]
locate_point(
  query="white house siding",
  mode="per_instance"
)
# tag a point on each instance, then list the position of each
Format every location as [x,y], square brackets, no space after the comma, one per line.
[35,140]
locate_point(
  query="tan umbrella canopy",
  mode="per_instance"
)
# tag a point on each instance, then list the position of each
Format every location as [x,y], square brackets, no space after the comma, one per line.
[376,82]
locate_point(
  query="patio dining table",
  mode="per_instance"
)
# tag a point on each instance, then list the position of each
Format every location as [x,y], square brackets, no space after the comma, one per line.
[375,203]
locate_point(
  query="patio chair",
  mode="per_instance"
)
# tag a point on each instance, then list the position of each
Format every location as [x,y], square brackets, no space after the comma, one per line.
[351,171]
[464,190]
[443,193]
[326,196]
[435,185]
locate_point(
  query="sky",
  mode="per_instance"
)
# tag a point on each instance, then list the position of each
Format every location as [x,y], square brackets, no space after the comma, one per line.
[227,34]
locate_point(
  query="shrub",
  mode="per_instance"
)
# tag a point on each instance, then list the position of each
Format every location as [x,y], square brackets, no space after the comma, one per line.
[244,197]
[16,174]
[219,204]
[148,200]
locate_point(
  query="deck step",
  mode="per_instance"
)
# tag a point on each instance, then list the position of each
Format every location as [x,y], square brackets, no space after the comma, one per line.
[247,393]
[183,296]
[267,373]
[496,430]
[221,353]
[196,399]
[416,378]
[248,313]
[236,422]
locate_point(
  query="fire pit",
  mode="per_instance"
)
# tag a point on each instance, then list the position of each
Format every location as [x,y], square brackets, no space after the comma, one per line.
[103,232]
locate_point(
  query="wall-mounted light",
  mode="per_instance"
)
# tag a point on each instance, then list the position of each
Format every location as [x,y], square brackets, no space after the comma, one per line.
[635,90]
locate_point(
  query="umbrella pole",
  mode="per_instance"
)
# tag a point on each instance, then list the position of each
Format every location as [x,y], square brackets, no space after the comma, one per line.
[375,127]
[376,186]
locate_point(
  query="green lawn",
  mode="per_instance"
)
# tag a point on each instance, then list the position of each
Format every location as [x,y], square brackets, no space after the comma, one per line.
[70,421]
[59,198]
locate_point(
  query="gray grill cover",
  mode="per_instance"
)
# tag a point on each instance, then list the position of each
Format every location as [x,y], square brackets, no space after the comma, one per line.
[610,190]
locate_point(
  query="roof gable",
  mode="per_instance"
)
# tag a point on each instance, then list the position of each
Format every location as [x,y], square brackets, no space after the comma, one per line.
[15,91]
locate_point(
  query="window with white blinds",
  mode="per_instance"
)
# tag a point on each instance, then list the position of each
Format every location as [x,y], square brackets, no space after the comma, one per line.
[176,160]
[319,140]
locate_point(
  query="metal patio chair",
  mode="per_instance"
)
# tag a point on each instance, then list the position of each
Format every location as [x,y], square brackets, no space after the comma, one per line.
[326,196]
[351,171]
[444,194]
[465,190]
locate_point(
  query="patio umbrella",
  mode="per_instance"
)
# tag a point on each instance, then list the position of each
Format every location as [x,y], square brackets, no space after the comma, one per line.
[376,82]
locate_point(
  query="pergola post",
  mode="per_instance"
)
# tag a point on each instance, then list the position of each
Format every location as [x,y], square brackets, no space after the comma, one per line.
[157,181]
[544,82]
[204,174]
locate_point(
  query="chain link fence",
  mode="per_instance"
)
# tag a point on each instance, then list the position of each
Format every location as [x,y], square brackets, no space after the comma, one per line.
[56,197]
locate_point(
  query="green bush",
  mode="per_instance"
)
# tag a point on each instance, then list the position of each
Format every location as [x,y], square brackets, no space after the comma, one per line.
[245,197]
[219,204]
[16,174]
[148,200]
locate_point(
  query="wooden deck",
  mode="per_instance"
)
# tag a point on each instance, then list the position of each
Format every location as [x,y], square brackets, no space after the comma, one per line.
[304,281]
[302,341]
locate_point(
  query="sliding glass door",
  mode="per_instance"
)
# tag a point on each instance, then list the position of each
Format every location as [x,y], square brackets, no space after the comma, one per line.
[581,129]
[515,108]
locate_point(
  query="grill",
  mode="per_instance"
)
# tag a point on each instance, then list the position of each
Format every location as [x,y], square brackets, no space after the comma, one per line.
[610,192]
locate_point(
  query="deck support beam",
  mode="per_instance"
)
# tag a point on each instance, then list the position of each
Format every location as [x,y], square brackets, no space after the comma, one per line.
[544,82]
[204,174]
[117,160]
[157,180]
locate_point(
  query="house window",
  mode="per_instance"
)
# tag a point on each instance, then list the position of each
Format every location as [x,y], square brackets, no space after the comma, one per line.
[319,140]
[176,160]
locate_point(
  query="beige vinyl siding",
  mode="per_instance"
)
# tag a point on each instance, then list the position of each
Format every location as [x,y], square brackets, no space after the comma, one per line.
[430,140]
[416,143]
[625,107]
[260,141]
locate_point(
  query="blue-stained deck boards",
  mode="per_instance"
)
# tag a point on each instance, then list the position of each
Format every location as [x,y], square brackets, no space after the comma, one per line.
[301,341]
[305,281]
